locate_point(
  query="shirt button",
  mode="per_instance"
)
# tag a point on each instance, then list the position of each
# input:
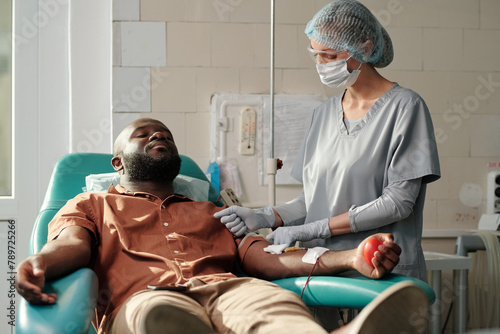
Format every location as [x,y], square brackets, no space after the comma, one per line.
[176,251]
[170,235]
[183,263]
[165,224]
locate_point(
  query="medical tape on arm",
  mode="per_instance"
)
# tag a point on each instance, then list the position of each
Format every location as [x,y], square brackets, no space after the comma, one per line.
[312,256]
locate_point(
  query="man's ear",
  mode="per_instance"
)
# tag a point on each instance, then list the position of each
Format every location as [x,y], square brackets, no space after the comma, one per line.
[117,164]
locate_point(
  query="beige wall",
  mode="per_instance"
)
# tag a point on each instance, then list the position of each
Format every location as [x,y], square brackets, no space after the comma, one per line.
[446,50]
[5,99]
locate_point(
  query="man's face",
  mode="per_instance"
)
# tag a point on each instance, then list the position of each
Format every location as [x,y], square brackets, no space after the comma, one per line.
[149,152]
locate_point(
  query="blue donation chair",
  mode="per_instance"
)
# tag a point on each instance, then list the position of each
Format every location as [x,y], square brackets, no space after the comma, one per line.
[77,292]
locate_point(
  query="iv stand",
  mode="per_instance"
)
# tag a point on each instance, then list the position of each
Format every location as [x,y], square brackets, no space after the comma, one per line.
[271,161]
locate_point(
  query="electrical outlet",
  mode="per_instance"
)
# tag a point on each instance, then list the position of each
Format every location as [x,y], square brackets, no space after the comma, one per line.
[493,198]
[229,197]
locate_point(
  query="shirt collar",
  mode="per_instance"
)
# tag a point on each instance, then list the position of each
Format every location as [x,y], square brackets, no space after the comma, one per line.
[119,190]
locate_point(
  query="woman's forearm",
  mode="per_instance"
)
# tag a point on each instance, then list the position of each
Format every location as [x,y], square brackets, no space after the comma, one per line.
[340,224]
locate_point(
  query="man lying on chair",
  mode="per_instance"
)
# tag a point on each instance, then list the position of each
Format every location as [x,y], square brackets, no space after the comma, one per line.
[141,234]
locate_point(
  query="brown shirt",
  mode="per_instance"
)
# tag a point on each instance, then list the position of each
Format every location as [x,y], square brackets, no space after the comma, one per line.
[141,240]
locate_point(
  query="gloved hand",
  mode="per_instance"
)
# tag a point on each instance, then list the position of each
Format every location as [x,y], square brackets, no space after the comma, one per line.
[239,220]
[289,234]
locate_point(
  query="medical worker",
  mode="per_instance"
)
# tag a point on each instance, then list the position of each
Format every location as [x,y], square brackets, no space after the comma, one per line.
[368,153]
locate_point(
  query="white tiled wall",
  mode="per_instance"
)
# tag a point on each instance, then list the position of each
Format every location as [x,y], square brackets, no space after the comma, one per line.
[446,50]
[126,10]
[131,89]
[143,43]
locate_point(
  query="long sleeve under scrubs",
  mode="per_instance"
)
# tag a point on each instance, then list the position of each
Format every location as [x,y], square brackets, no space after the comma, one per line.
[377,171]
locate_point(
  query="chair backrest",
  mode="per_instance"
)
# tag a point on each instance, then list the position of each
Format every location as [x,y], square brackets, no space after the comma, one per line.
[68,180]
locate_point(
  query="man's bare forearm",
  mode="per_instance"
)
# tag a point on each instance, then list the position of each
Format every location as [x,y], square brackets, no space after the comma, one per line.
[258,263]
[270,266]
[70,251]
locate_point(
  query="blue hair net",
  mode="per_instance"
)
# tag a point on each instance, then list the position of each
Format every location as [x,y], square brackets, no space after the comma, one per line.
[348,25]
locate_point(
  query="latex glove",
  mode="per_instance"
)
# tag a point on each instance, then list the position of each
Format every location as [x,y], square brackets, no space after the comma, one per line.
[239,219]
[289,234]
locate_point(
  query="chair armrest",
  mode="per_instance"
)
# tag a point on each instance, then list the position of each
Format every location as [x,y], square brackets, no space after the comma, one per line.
[72,312]
[346,292]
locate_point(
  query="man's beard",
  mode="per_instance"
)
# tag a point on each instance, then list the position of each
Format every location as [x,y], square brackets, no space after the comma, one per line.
[142,167]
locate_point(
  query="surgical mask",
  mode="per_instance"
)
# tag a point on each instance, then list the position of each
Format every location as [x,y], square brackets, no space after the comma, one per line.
[335,74]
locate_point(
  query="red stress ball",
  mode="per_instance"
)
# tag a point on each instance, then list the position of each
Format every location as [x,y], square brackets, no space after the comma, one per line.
[371,246]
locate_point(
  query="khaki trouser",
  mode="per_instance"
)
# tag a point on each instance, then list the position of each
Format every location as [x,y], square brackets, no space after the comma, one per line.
[240,305]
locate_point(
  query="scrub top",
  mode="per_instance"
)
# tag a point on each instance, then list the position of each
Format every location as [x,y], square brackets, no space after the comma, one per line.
[341,170]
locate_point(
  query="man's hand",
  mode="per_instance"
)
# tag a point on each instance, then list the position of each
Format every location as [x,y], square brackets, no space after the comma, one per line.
[240,220]
[59,257]
[386,258]
[30,280]
[289,234]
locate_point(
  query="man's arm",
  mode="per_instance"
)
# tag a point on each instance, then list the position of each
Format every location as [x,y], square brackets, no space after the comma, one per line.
[70,251]
[260,264]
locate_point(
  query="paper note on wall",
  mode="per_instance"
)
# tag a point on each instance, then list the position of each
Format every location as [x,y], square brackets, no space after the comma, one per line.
[292,116]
